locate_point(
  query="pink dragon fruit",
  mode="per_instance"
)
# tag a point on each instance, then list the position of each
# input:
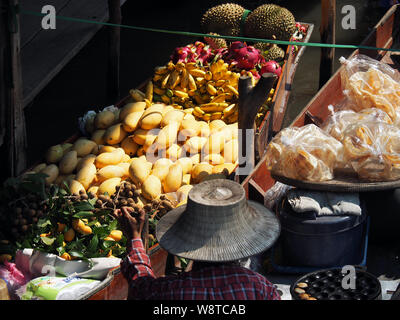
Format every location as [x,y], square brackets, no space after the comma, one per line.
[271,67]
[197,52]
[244,56]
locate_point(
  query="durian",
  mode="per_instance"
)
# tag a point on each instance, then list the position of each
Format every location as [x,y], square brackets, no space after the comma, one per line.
[270,20]
[270,51]
[224,19]
[215,43]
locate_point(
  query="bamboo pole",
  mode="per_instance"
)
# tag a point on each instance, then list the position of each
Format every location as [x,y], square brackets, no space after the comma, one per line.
[327,32]
[15,139]
[113,83]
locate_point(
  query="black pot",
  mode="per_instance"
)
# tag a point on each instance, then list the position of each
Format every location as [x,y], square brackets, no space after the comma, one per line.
[327,285]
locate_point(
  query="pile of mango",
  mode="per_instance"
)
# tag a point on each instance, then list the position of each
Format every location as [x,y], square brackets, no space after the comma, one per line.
[162,150]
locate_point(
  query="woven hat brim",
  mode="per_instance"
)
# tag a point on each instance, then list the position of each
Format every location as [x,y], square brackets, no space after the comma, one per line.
[258,235]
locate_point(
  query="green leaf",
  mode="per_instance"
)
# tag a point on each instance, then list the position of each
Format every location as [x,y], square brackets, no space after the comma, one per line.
[83,206]
[83,214]
[76,254]
[48,241]
[42,223]
[94,242]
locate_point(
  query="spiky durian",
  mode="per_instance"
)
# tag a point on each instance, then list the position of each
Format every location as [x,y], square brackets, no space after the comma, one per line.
[270,51]
[225,19]
[215,43]
[270,20]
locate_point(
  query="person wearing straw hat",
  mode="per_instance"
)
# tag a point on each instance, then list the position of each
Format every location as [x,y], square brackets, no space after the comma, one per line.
[216,228]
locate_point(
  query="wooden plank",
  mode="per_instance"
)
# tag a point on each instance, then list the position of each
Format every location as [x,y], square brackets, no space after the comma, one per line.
[50,50]
[15,134]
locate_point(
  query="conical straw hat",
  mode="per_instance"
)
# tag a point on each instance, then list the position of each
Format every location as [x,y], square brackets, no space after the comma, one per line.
[217,224]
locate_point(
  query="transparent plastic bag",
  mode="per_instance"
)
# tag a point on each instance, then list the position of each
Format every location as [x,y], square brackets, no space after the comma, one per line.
[369,83]
[305,153]
[337,123]
[373,150]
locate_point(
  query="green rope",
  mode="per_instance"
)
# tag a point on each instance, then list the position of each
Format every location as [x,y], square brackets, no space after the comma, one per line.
[195,34]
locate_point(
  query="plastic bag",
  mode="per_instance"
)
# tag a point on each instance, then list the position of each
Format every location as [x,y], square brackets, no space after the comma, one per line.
[57,288]
[373,150]
[337,123]
[13,277]
[305,153]
[369,83]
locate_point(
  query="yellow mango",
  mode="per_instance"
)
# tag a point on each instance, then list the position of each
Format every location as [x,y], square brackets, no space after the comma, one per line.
[115,134]
[104,119]
[214,159]
[68,162]
[231,150]
[188,128]
[215,143]
[189,116]
[140,152]
[139,170]
[161,168]
[86,175]
[225,168]
[130,108]
[186,164]
[130,147]
[98,136]
[109,186]
[125,168]
[195,159]
[83,147]
[111,171]
[172,116]
[89,159]
[186,179]
[173,180]
[195,144]
[151,187]
[139,136]
[204,129]
[131,121]
[109,158]
[200,171]
[107,149]
[151,136]
[54,154]
[183,192]
[217,125]
[167,109]
[152,117]
[173,152]
[66,147]
[52,172]
[75,187]
[93,190]
[167,136]
[39,167]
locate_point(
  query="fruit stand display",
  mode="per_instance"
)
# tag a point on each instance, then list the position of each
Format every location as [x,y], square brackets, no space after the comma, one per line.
[179,129]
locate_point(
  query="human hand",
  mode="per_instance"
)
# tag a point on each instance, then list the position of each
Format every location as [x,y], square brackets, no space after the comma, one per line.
[132,226]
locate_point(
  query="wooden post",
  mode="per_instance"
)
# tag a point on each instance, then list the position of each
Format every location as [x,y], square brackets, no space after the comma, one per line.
[11,109]
[327,31]
[250,100]
[114,7]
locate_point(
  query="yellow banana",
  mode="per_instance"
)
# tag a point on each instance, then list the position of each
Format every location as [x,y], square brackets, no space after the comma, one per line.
[165,99]
[165,80]
[221,82]
[161,70]
[180,66]
[157,77]
[211,89]
[149,91]
[208,75]
[192,82]
[148,103]
[213,107]
[184,78]
[190,66]
[181,94]
[233,117]
[217,75]
[170,66]
[198,110]
[197,73]
[207,117]
[174,79]
[197,114]
[137,95]
[232,89]
[216,116]
[219,98]
[200,81]
[230,110]
[158,90]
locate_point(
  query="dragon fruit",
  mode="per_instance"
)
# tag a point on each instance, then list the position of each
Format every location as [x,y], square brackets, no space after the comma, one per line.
[271,67]
[244,56]
[197,52]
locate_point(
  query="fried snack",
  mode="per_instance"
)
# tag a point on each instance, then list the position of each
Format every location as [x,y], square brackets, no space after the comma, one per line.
[373,150]
[305,153]
[373,89]
[336,124]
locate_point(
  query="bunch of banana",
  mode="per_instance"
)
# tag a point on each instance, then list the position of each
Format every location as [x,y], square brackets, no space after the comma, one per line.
[264,108]
[208,92]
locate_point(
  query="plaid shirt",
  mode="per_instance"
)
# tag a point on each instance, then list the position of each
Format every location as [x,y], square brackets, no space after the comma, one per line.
[225,282]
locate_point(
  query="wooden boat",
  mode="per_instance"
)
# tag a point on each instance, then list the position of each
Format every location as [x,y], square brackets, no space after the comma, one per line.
[384,35]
